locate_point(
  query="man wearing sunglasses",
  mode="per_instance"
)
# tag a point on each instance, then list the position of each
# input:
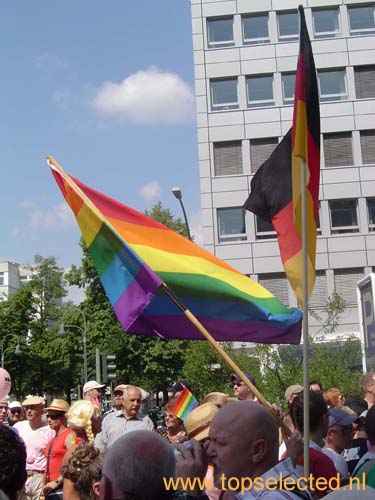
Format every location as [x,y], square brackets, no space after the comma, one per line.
[15,413]
[240,389]
[339,437]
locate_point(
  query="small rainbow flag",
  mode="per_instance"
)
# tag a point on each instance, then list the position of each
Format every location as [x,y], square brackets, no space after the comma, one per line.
[185,403]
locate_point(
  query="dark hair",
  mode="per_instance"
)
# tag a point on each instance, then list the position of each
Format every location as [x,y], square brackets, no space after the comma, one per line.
[370,425]
[317,410]
[12,462]
[316,382]
[83,469]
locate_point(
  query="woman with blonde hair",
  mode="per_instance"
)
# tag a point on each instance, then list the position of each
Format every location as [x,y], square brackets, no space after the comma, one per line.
[334,397]
[84,417]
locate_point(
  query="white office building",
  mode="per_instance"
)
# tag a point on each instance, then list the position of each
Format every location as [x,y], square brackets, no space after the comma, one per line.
[12,277]
[245,57]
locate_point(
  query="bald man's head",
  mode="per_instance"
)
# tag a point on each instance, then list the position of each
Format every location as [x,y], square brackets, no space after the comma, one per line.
[244,440]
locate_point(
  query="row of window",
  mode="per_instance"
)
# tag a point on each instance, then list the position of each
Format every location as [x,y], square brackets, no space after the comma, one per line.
[260,89]
[345,284]
[343,220]
[326,23]
[337,152]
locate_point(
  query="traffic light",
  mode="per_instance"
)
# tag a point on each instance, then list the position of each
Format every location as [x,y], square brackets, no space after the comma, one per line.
[108,367]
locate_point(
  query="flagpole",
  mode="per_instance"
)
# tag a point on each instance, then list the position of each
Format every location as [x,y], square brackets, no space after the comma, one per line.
[226,357]
[305,328]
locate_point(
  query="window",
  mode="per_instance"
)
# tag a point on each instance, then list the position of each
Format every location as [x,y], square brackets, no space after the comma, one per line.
[288,82]
[338,151]
[260,151]
[319,296]
[277,284]
[368,146]
[346,283]
[263,229]
[255,29]
[332,85]
[2,279]
[343,216]
[371,213]
[228,158]
[361,20]
[326,23]
[231,222]
[224,94]
[260,91]
[220,32]
[364,78]
[288,26]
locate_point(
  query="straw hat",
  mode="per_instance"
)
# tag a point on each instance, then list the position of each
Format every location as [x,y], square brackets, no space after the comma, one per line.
[197,423]
[32,401]
[58,405]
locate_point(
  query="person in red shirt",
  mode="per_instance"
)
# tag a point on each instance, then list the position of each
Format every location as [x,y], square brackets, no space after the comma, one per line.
[321,466]
[60,448]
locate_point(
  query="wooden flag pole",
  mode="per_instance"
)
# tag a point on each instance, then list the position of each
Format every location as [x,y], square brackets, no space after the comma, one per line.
[226,358]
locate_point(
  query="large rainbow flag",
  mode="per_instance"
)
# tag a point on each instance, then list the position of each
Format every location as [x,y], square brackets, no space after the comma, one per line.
[134,255]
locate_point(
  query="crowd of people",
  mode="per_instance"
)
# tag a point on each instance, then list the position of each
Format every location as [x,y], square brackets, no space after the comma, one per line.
[230,446]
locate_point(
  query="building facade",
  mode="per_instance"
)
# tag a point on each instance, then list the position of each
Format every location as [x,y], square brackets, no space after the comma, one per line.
[12,278]
[245,58]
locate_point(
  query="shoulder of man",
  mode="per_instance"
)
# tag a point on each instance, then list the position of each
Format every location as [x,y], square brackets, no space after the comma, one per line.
[148,422]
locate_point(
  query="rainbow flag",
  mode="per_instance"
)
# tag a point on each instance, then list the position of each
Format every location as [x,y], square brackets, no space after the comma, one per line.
[134,254]
[185,403]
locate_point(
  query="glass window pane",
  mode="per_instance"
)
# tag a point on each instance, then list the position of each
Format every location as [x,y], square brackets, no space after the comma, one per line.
[343,213]
[326,23]
[361,20]
[260,91]
[255,29]
[332,85]
[224,94]
[288,81]
[220,32]
[371,213]
[231,223]
[288,25]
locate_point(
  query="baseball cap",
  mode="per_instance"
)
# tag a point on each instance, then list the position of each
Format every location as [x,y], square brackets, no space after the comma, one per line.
[293,389]
[92,384]
[179,386]
[235,378]
[337,416]
[14,404]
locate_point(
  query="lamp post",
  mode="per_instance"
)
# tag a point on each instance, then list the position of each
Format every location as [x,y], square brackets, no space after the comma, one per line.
[178,195]
[62,334]
[17,350]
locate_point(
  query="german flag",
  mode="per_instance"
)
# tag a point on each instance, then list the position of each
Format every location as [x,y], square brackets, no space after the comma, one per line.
[277,186]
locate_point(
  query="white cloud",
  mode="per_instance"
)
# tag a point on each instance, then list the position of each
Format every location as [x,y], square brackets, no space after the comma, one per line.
[149,96]
[60,215]
[150,191]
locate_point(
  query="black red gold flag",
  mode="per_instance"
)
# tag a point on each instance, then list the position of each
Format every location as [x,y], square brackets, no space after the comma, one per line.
[277,186]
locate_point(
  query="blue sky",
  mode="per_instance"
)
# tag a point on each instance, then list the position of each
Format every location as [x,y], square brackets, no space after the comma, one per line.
[106,88]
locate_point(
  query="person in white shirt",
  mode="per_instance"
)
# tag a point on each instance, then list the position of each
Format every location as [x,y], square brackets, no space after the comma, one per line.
[339,437]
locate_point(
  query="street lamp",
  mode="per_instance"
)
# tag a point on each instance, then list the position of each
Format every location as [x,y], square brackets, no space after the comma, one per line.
[62,334]
[17,350]
[178,195]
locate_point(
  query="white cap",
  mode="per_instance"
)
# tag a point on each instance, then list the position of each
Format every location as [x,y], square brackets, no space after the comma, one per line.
[14,404]
[92,384]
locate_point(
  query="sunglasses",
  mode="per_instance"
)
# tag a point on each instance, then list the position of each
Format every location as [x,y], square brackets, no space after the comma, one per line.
[54,416]
[346,431]
[16,410]
[238,384]
[118,393]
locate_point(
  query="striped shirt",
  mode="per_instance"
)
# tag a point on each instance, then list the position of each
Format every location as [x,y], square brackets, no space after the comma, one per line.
[116,424]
